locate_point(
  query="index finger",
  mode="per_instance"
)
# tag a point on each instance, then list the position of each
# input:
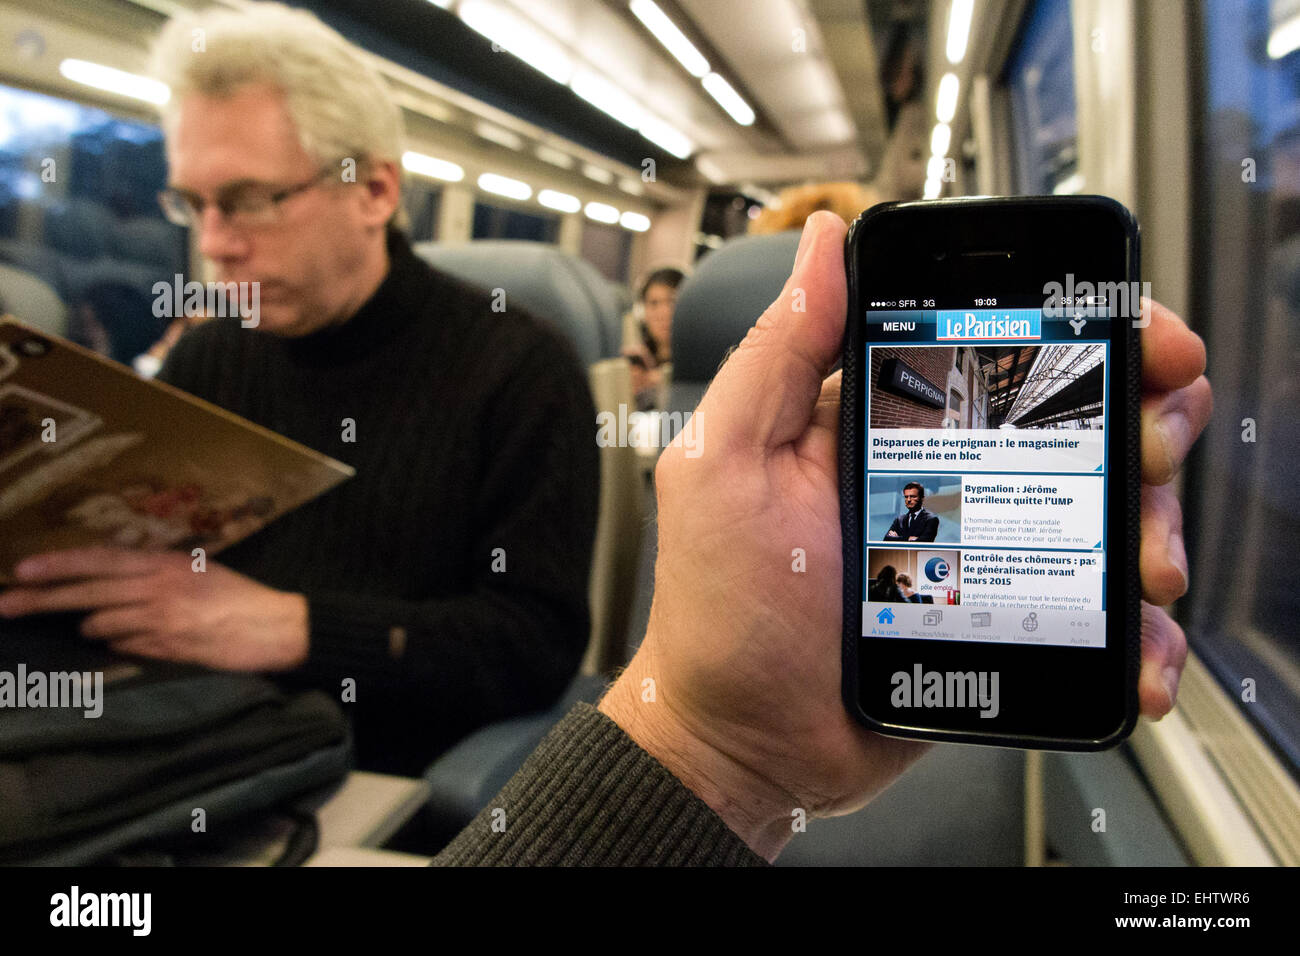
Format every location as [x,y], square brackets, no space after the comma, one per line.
[1173,356]
[87,563]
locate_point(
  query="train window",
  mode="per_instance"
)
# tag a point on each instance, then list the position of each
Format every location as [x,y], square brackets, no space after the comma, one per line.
[79,212]
[497,222]
[1040,78]
[1240,498]
[422,201]
[608,248]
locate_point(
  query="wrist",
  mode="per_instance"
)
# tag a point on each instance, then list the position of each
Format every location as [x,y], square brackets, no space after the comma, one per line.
[294,631]
[752,807]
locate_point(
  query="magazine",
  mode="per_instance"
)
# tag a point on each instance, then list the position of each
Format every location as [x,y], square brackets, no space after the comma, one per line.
[92,454]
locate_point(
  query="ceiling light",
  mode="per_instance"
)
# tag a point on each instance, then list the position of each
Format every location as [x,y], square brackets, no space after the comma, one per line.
[940,139]
[729,99]
[517,36]
[667,33]
[667,137]
[116,81]
[562,202]
[555,157]
[946,107]
[959,16]
[607,97]
[502,137]
[932,188]
[601,212]
[710,170]
[504,186]
[835,127]
[597,173]
[429,166]
[634,221]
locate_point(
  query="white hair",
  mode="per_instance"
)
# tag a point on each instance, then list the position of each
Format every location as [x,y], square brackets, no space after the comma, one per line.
[341,106]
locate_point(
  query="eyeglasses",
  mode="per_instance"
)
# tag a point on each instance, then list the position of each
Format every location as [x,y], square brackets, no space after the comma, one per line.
[241,204]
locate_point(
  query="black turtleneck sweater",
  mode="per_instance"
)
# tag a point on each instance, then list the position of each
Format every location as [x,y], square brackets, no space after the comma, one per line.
[473,432]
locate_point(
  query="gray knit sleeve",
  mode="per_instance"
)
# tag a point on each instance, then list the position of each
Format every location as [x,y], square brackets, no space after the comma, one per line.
[589,796]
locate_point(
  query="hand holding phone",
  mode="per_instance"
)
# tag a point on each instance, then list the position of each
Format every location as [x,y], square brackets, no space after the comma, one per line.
[749,645]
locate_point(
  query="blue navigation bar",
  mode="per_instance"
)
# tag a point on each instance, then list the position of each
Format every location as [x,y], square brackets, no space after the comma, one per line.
[980,325]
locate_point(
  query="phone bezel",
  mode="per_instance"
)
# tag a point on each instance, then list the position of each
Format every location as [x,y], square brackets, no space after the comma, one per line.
[1123,647]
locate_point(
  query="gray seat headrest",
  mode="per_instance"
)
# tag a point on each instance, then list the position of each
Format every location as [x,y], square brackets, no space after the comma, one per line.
[723,298]
[540,278]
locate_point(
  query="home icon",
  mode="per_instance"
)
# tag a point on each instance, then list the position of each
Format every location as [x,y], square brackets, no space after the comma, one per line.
[885,617]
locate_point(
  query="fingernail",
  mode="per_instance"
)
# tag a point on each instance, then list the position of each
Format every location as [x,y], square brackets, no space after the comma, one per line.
[1178,556]
[26,569]
[1176,434]
[1169,676]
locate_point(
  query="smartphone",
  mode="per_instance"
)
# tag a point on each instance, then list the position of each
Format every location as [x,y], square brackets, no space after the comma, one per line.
[989,471]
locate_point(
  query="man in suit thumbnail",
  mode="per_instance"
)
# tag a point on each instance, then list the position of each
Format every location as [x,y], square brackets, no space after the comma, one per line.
[916,524]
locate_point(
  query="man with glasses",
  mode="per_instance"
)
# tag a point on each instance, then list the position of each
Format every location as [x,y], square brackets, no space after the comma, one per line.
[250,203]
[445,585]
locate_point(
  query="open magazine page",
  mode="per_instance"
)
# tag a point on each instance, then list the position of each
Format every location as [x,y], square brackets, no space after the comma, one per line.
[91,454]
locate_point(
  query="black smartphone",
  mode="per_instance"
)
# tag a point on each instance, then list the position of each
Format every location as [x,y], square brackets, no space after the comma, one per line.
[989,471]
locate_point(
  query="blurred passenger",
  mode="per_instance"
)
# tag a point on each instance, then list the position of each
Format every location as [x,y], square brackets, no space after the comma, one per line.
[445,585]
[651,351]
[797,203]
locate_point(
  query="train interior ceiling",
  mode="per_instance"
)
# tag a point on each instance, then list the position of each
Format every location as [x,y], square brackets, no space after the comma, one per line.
[566,148]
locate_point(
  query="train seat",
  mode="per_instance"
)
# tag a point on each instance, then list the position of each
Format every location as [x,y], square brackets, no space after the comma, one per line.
[730,288]
[565,291]
[79,227]
[151,241]
[30,299]
[545,280]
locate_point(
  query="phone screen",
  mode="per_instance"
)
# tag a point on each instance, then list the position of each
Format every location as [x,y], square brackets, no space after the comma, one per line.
[992,471]
[985,464]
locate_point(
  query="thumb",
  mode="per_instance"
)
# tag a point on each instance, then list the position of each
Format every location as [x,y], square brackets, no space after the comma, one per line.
[765,393]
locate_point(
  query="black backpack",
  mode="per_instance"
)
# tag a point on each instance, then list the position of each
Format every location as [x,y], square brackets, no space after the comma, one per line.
[178,758]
